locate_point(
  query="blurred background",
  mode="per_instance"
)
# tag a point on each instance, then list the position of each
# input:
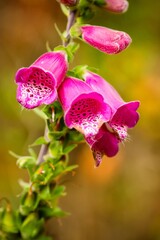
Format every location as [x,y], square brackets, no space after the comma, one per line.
[120,199]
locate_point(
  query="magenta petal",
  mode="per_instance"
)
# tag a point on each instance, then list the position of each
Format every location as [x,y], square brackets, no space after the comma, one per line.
[122,113]
[105,39]
[38,83]
[100,85]
[84,109]
[127,115]
[105,143]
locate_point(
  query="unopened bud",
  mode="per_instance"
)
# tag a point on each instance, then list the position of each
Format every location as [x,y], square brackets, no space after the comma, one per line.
[69,3]
[117,6]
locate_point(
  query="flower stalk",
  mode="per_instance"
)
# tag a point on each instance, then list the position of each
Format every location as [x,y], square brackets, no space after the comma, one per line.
[79,104]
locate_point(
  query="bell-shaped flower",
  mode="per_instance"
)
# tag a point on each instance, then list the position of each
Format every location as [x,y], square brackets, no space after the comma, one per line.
[84,108]
[38,83]
[117,6]
[123,116]
[105,39]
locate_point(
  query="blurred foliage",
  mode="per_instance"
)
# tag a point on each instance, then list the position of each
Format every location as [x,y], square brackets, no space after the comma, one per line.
[120,199]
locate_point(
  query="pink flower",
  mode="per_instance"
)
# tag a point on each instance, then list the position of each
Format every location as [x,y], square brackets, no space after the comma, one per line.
[94,108]
[38,83]
[123,116]
[117,6]
[105,39]
[84,108]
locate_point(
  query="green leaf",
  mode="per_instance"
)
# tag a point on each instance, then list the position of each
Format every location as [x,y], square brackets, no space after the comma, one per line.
[44,192]
[10,221]
[29,202]
[71,168]
[14,154]
[31,226]
[57,134]
[26,162]
[39,141]
[58,191]
[69,148]
[58,212]
[43,237]
[48,111]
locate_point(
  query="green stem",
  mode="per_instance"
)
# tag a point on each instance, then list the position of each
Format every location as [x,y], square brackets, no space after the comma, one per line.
[70,22]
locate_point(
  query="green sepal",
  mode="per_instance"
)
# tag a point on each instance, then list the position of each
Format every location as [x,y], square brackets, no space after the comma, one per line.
[100,3]
[43,237]
[58,191]
[47,110]
[31,226]
[69,148]
[80,70]
[65,10]
[43,173]
[39,141]
[85,14]
[75,31]
[71,168]
[57,135]
[10,221]
[70,49]
[27,162]
[29,202]
[55,149]
[74,136]
[58,212]
[44,192]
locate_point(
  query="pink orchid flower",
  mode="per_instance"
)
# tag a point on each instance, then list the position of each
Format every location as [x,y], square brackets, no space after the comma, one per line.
[105,39]
[84,108]
[38,83]
[123,116]
[117,6]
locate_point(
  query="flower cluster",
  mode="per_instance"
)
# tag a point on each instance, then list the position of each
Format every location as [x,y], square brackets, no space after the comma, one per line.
[90,104]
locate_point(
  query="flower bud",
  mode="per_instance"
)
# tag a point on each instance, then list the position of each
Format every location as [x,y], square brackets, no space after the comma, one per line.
[117,6]
[69,3]
[105,39]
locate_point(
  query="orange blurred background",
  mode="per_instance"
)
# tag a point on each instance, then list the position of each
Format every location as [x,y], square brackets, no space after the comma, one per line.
[121,198]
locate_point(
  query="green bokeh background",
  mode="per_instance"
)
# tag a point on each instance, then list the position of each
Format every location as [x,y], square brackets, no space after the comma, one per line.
[121,199]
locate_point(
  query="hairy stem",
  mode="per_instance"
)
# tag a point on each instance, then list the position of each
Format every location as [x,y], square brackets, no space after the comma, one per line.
[70,22]
[43,149]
